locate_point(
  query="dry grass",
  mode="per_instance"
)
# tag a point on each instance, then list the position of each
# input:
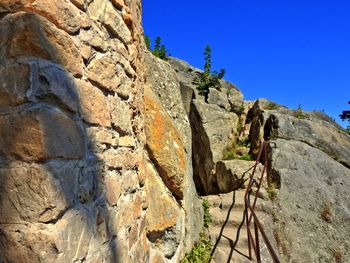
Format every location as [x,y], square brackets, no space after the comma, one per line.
[338,255]
[326,212]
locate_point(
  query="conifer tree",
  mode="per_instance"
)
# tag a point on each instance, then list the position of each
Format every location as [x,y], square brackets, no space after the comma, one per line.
[208,79]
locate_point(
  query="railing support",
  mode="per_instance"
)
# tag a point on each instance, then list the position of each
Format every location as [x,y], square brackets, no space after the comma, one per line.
[254,243]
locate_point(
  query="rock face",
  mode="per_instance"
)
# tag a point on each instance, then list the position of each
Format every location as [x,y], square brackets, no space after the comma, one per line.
[213,129]
[214,124]
[72,169]
[169,144]
[309,173]
[232,174]
[312,210]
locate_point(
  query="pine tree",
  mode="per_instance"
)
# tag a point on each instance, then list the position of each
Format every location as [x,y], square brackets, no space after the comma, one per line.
[208,79]
[346,116]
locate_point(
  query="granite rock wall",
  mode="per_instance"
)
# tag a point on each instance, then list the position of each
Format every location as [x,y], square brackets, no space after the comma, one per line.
[72,159]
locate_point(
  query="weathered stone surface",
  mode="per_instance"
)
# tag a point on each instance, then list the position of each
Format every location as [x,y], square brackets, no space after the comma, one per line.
[103,11]
[213,129]
[17,244]
[161,78]
[234,95]
[105,78]
[121,158]
[309,181]
[118,4]
[312,128]
[317,133]
[164,224]
[69,191]
[80,4]
[232,174]
[121,115]
[62,13]
[101,138]
[13,5]
[93,104]
[95,37]
[218,98]
[40,134]
[53,84]
[32,193]
[27,34]
[14,83]
[164,145]
[127,141]
[113,188]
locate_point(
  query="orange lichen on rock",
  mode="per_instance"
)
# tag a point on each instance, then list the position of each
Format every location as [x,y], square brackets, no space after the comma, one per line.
[164,144]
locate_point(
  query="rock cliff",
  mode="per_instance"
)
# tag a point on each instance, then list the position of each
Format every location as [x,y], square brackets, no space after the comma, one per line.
[309,173]
[85,172]
[104,148]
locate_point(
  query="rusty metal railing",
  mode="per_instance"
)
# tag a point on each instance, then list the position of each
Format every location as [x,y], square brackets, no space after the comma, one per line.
[250,215]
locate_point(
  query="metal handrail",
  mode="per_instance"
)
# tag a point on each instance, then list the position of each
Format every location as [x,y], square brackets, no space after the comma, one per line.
[253,243]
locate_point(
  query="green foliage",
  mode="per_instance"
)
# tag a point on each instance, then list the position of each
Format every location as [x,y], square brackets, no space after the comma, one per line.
[159,49]
[299,113]
[201,251]
[229,153]
[148,42]
[207,216]
[240,110]
[272,191]
[246,157]
[234,150]
[347,131]
[208,79]
[271,106]
[346,116]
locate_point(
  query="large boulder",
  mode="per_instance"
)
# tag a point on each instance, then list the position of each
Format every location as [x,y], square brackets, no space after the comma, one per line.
[169,143]
[213,129]
[312,209]
[272,121]
[232,174]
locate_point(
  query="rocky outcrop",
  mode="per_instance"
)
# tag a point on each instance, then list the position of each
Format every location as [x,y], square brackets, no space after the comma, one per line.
[232,174]
[213,129]
[214,124]
[309,181]
[229,98]
[313,128]
[311,212]
[72,174]
[169,145]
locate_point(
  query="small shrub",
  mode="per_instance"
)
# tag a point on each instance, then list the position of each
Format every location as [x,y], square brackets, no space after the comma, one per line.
[271,106]
[240,110]
[201,251]
[326,212]
[239,127]
[299,113]
[272,191]
[246,157]
[338,255]
[347,131]
[229,153]
[245,142]
[207,216]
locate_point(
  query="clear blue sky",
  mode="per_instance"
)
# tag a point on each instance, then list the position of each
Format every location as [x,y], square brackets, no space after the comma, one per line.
[289,51]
